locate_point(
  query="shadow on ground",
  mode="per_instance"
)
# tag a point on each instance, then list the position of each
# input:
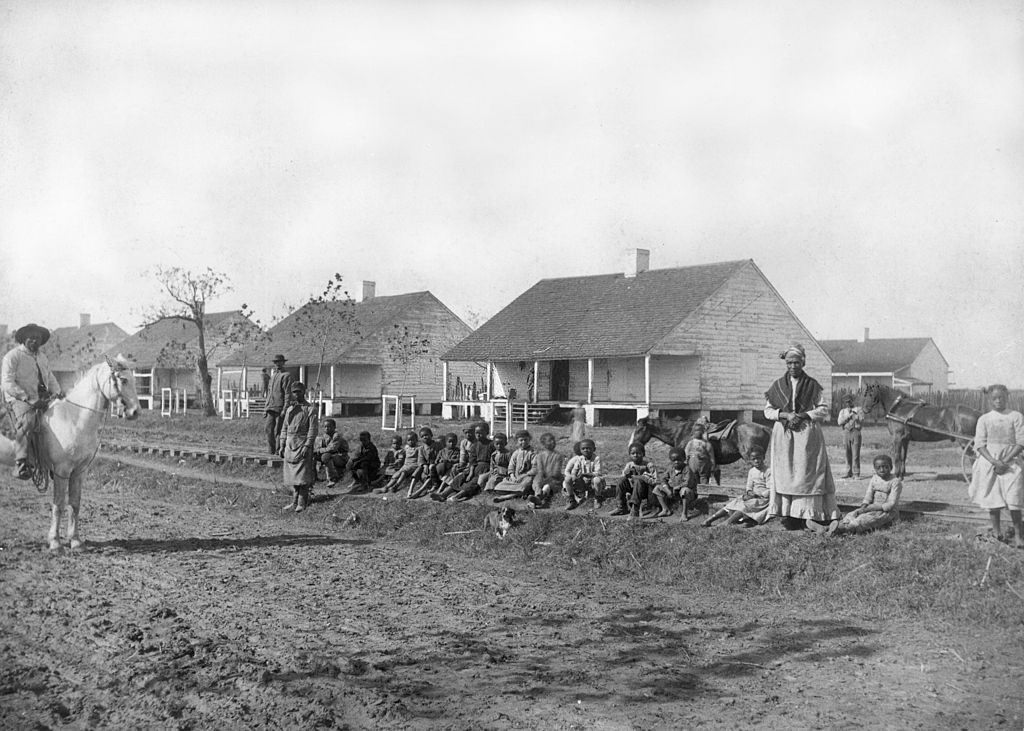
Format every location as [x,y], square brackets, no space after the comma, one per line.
[145,545]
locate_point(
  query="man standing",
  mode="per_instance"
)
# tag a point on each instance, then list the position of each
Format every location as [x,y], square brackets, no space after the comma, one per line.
[850,420]
[277,398]
[298,437]
[28,385]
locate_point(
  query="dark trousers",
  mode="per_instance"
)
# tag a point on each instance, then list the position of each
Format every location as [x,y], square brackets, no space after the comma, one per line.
[632,490]
[852,440]
[272,426]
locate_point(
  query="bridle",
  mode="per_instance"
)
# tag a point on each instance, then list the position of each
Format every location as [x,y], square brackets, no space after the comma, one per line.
[117,398]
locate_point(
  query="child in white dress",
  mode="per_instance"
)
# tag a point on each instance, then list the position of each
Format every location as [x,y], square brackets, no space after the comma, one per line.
[750,508]
[881,504]
[997,481]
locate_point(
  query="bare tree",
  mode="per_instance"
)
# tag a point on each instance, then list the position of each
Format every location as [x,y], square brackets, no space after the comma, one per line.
[324,321]
[404,347]
[189,293]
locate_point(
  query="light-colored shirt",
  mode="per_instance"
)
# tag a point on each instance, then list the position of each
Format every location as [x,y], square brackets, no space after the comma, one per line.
[19,377]
[885,493]
[1000,430]
[580,465]
[646,471]
[850,419]
[521,462]
[757,482]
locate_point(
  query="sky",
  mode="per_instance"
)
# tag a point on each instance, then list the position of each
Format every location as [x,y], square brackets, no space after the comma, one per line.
[868,156]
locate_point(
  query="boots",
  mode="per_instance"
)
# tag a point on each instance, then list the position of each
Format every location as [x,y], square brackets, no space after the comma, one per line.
[294,504]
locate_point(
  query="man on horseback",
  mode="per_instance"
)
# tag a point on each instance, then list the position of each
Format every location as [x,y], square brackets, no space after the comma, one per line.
[28,385]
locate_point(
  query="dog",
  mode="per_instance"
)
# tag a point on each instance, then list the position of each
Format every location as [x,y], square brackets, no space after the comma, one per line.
[501,521]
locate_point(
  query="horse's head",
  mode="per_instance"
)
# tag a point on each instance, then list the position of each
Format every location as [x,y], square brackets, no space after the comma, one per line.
[119,387]
[641,432]
[872,397]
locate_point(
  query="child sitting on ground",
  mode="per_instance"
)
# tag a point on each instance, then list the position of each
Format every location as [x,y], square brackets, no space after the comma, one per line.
[427,457]
[675,485]
[393,460]
[365,464]
[467,484]
[700,458]
[583,478]
[751,508]
[520,470]
[881,504]
[639,475]
[500,458]
[548,465]
[411,463]
[444,467]
[331,450]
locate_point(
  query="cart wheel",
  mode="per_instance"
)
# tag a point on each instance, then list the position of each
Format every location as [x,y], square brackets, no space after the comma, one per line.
[967,460]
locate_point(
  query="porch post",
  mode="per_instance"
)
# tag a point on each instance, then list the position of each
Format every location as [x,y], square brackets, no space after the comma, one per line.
[590,380]
[444,379]
[245,384]
[332,381]
[536,374]
[647,380]
[220,372]
[490,373]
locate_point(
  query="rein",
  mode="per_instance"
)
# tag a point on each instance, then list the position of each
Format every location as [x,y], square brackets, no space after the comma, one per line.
[107,399]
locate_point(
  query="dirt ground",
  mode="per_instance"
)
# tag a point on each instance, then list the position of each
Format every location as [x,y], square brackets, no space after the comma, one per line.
[184,615]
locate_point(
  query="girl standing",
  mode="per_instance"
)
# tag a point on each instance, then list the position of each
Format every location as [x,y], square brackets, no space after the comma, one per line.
[997,481]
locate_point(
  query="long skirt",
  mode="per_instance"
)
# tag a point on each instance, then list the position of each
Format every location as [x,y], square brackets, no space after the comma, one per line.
[801,480]
[755,508]
[991,491]
[866,521]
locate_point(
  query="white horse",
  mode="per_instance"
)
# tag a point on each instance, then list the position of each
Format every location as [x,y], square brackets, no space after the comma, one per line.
[68,438]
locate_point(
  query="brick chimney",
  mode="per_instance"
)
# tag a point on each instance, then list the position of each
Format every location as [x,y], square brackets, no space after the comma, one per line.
[638,261]
[369,290]
[84,319]
[867,333]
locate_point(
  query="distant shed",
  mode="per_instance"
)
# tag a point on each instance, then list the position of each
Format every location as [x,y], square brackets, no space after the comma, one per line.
[700,339]
[914,365]
[73,350]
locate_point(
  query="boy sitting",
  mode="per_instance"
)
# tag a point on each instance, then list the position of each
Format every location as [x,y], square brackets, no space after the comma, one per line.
[548,465]
[331,451]
[639,476]
[583,476]
[365,464]
[675,484]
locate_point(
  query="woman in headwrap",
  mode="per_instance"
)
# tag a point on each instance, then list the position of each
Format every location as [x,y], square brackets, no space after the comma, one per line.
[802,490]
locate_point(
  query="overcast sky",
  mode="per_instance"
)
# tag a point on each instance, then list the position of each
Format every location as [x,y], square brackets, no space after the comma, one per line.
[868,156]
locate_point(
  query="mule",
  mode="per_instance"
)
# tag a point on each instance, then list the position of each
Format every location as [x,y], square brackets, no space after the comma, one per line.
[956,419]
[677,432]
[68,438]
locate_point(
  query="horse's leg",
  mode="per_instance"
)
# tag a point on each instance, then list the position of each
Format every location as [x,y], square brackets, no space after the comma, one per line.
[74,501]
[904,448]
[60,496]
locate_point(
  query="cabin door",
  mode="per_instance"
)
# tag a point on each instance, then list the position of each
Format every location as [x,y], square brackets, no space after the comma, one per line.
[559,380]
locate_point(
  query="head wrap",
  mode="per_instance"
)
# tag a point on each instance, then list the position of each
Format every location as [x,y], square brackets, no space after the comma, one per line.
[794,349]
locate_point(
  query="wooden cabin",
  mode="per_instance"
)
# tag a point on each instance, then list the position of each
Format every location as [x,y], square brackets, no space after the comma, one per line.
[74,350]
[349,349]
[164,353]
[690,340]
[914,365]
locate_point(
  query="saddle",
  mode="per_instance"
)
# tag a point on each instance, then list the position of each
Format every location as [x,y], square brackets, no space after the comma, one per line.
[721,430]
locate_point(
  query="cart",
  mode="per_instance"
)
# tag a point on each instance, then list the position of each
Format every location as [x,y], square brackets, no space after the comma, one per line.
[967,454]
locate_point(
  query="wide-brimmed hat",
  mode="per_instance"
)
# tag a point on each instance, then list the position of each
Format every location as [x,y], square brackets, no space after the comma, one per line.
[279,359]
[23,332]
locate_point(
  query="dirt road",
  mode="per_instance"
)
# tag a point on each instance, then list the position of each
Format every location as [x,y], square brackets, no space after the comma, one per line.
[181,615]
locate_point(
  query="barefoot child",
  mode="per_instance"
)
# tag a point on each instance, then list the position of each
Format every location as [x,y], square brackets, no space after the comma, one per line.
[700,458]
[675,485]
[583,476]
[548,464]
[639,476]
[751,508]
[500,458]
[427,457]
[997,481]
[881,502]
[443,469]
[365,464]
[392,462]
[467,484]
[520,470]
[331,450]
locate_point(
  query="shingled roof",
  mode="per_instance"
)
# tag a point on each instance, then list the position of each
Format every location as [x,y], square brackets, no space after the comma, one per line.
[147,347]
[875,355]
[607,315]
[289,336]
[77,348]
